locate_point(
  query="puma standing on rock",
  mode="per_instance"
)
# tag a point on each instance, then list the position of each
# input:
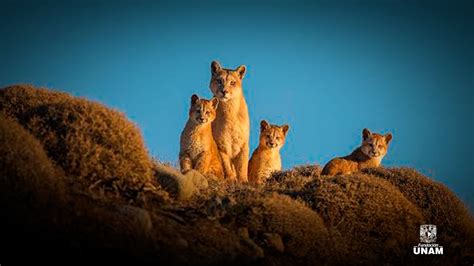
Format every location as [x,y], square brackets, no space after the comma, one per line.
[231,129]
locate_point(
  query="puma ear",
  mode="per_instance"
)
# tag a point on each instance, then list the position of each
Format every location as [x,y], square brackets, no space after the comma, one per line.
[388,137]
[215,102]
[264,125]
[194,99]
[366,134]
[241,71]
[285,129]
[215,67]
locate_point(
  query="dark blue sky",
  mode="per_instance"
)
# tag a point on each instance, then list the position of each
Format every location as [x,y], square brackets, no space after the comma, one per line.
[328,69]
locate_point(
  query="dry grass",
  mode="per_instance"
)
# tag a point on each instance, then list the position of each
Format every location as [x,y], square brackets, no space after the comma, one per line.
[293,180]
[17,100]
[59,151]
[374,219]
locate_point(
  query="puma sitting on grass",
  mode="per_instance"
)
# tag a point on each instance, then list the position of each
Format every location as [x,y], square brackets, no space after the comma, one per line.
[368,155]
[231,129]
[198,148]
[266,158]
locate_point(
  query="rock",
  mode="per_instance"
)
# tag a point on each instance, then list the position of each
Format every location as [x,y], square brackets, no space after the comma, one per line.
[182,243]
[137,219]
[274,241]
[199,181]
[228,201]
[177,185]
[243,232]
[257,251]
[214,206]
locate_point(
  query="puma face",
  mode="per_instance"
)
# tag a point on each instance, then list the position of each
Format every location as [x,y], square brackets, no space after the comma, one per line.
[375,145]
[226,84]
[203,111]
[272,136]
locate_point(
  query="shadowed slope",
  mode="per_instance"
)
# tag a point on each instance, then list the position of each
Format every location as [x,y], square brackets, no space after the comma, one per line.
[27,175]
[276,227]
[32,191]
[438,205]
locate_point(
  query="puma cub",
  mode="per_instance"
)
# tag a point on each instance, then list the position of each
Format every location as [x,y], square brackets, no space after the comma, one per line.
[369,154]
[198,148]
[231,129]
[266,157]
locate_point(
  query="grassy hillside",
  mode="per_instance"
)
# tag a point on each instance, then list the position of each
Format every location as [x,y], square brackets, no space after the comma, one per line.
[77,180]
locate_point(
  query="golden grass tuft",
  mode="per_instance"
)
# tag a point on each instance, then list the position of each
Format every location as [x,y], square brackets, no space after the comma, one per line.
[292,180]
[97,145]
[17,100]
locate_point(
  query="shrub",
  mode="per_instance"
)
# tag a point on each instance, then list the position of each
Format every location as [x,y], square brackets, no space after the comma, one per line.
[28,178]
[17,100]
[292,180]
[372,216]
[96,145]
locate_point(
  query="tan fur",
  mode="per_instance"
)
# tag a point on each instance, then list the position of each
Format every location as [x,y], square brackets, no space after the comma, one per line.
[368,155]
[266,158]
[231,129]
[198,148]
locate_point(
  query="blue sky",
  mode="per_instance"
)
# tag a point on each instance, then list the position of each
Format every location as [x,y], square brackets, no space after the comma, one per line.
[328,69]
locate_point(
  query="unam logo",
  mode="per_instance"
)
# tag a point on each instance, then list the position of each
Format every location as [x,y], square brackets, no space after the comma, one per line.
[428,239]
[427,233]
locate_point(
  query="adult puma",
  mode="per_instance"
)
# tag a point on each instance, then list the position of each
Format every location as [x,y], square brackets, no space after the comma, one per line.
[231,129]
